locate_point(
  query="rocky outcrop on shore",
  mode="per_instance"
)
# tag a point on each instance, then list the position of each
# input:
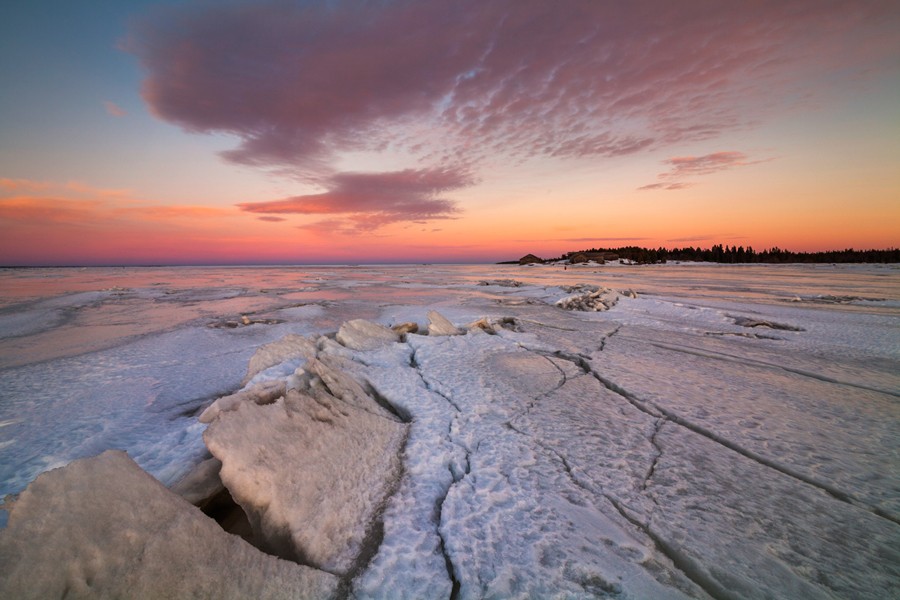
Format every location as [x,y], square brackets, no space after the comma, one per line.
[530,259]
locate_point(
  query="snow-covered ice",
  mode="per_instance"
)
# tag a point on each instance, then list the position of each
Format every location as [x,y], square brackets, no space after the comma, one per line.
[681,431]
[80,532]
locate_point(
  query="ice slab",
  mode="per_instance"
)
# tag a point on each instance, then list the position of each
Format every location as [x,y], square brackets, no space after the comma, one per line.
[269,355]
[360,334]
[310,470]
[102,527]
[439,325]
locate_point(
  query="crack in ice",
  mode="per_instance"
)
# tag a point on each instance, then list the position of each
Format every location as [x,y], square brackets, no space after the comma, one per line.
[607,337]
[656,429]
[657,411]
[455,477]
[746,360]
[685,564]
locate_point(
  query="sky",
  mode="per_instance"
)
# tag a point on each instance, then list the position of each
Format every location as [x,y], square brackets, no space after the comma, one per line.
[228,132]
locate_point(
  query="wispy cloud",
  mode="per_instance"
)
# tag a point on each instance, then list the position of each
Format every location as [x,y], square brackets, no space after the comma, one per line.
[601,239]
[706,237]
[677,185]
[686,166]
[369,201]
[48,210]
[28,201]
[114,109]
[69,189]
[696,238]
[682,167]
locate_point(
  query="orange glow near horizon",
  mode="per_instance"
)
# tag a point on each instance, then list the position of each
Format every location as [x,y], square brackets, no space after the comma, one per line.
[100,228]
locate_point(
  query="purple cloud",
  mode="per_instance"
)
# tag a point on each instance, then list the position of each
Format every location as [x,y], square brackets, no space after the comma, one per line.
[677,185]
[689,166]
[113,109]
[372,200]
[707,237]
[601,239]
[683,166]
[453,82]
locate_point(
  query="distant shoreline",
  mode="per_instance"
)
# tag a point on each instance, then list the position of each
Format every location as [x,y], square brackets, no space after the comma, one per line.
[716,254]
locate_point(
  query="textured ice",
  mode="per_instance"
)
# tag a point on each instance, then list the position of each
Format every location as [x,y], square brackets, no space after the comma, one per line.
[264,393]
[103,528]
[277,352]
[793,540]
[705,437]
[825,429]
[360,334]
[439,325]
[310,468]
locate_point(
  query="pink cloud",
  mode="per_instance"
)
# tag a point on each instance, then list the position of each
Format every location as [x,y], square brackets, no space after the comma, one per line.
[691,166]
[683,166]
[114,109]
[71,188]
[677,185]
[373,200]
[83,209]
[48,210]
[271,219]
[460,81]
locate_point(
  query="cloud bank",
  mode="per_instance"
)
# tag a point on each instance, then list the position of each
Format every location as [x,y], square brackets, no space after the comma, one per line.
[450,84]
[373,200]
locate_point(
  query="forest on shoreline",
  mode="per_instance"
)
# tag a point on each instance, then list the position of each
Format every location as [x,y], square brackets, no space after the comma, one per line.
[739,254]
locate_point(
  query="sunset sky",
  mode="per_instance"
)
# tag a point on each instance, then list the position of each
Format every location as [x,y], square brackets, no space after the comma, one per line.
[135,132]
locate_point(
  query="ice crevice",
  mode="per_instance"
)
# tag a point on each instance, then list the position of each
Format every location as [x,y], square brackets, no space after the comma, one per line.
[680,560]
[448,561]
[456,477]
[430,386]
[660,412]
[746,360]
[607,337]
[657,455]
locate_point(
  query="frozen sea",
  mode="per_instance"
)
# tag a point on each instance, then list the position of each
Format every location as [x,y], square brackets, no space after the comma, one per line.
[720,431]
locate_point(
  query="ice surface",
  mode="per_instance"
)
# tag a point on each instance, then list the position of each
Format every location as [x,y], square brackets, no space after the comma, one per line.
[310,468]
[754,533]
[103,528]
[439,325]
[827,431]
[269,355]
[662,448]
[360,334]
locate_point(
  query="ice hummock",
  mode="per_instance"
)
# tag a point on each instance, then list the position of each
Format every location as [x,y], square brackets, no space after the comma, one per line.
[102,527]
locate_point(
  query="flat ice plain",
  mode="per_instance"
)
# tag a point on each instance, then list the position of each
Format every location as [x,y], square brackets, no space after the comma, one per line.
[710,431]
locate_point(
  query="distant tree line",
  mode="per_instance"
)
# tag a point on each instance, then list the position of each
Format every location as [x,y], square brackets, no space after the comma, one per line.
[739,254]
